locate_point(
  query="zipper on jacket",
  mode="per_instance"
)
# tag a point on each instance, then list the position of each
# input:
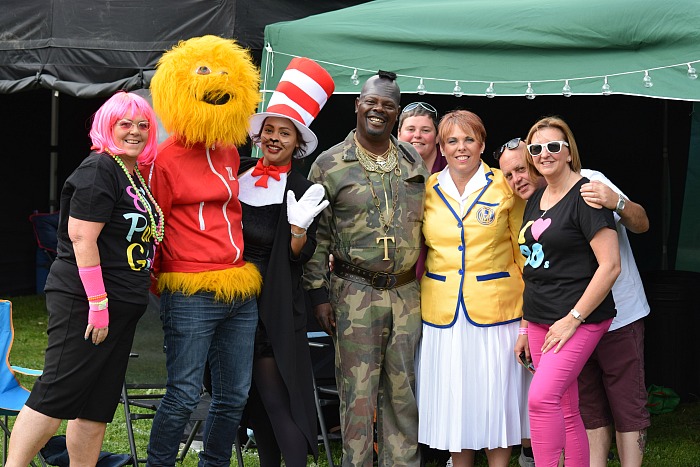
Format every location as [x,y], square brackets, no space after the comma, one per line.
[202,226]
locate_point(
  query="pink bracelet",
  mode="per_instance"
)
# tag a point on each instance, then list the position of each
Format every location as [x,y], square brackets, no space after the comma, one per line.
[522,331]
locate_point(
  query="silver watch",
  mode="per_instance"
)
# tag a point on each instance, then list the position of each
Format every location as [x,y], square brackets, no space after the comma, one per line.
[620,204]
[577,315]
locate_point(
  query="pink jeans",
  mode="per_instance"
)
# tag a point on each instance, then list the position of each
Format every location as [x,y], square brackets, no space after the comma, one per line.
[555,420]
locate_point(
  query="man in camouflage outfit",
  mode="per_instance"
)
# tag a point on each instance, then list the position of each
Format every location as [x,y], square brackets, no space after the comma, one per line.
[371,302]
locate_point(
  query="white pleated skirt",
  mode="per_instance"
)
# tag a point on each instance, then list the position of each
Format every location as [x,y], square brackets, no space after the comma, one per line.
[471,392]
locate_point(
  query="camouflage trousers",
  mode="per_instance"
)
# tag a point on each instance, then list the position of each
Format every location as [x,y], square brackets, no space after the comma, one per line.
[377,333]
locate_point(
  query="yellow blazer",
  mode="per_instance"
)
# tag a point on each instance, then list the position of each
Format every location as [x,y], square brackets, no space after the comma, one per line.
[474,261]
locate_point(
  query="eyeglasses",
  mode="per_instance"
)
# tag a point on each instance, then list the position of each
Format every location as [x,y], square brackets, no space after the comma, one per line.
[127,125]
[553,147]
[512,144]
[415,105]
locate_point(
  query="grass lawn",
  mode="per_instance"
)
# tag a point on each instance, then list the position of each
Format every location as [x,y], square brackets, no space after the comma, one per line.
[673,438]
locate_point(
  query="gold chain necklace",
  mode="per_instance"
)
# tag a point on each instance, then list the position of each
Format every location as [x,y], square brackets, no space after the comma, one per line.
[386,222]
[159,230]
[380,163]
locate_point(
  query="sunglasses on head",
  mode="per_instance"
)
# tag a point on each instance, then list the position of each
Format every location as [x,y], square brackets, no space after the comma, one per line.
[415,105]
[128,125]
[553,147]
[512,144]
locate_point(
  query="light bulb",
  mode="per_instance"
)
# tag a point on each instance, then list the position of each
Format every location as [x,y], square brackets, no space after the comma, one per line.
[354,78]
[457,91]
[529,92]
[566,90]
[421,88]
[490,93]
[647,80]
[692,73]
[606,88]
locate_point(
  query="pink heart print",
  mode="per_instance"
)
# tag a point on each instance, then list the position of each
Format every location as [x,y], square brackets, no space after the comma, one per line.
[539,226]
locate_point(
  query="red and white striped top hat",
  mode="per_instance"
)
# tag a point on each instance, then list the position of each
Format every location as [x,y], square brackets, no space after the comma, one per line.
[302,92]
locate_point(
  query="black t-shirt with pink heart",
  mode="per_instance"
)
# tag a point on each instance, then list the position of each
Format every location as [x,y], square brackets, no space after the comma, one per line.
[559,260]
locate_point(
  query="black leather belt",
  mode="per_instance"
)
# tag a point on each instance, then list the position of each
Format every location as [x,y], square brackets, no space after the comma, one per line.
[377,280]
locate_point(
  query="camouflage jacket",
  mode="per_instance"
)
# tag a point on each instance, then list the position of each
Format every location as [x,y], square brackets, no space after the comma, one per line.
[350,227]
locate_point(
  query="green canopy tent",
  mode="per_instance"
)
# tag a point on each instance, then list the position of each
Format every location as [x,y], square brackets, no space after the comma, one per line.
[522,48]
[477,44]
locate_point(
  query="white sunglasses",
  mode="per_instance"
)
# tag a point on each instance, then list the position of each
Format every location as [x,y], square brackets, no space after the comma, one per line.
[553,147]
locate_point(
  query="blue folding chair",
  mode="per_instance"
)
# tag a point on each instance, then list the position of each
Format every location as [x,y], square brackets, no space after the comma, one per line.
[12,394]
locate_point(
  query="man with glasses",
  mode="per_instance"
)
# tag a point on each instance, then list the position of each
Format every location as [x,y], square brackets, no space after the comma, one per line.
[371,304]
[611,384]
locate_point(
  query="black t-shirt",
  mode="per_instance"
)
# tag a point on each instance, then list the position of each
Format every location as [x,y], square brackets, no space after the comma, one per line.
[99,191]
[559,259]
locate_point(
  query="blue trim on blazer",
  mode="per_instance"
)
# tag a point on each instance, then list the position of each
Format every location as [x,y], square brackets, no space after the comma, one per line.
[492,276]
[496,275]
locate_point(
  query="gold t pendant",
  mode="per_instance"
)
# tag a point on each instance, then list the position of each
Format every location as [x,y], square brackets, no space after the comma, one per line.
[386,239]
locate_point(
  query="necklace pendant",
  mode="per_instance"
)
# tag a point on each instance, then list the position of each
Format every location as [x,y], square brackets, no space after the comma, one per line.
[386,239]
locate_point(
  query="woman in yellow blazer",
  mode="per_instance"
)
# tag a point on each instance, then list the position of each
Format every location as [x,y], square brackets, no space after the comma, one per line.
[469,387]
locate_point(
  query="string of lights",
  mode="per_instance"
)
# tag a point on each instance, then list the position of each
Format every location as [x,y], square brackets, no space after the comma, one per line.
[491,88]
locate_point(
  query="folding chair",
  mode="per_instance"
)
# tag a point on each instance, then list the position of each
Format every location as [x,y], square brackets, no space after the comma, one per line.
[12,394]
[144,385]
[45,227]
[325,389]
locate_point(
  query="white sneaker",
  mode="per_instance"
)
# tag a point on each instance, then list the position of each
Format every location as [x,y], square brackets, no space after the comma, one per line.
[525,461]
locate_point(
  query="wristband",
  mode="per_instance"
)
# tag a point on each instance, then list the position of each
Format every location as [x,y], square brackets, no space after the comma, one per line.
[522,331]
[98,306]
[94,285]
[301,235]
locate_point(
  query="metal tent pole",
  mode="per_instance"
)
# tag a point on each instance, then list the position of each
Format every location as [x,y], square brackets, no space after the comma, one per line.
[53,164]
[665,193]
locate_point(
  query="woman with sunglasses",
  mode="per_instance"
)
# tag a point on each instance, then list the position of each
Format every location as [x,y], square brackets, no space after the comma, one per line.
[572,260]
[418,124]
[97,288]
[470,390]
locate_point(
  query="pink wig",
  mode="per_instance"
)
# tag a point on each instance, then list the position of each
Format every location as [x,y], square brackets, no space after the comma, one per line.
[123,105]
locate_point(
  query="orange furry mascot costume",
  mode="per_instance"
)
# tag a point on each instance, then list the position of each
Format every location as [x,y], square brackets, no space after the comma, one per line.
[204,90]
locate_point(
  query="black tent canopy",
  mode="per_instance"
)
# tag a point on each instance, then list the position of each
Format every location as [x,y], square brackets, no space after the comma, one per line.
[88,48]
[76,53]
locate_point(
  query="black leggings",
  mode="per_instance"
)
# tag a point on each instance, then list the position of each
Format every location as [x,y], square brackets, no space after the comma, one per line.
[275,431]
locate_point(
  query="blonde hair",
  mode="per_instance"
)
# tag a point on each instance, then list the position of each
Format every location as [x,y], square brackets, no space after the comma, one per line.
[559,124]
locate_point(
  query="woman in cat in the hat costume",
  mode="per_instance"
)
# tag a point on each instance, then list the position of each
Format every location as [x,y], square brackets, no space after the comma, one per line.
[279,229]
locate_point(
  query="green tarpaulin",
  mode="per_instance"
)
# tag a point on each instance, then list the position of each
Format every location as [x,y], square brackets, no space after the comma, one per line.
[507,45]
[510,43]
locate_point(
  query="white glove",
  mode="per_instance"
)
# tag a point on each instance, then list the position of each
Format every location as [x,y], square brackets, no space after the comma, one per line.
[302,213]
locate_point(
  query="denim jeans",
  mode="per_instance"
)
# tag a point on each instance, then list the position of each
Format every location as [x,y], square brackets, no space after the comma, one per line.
[199,329]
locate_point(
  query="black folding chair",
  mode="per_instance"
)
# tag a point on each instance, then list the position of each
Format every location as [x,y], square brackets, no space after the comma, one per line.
[325,389]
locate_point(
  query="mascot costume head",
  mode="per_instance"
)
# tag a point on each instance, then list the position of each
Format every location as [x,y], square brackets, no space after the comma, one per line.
[204,91]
